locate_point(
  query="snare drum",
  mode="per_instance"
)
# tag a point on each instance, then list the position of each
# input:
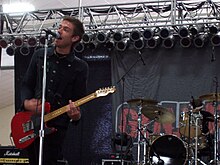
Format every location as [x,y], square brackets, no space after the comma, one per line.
[169,149]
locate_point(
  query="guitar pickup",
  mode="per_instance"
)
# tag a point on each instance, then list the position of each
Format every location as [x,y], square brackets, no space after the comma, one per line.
[26,138]
[28,126]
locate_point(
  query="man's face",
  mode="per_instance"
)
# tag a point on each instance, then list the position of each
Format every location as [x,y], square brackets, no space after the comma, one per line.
[67,37]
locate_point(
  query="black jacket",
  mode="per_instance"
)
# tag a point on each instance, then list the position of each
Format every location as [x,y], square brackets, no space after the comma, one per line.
[66,79]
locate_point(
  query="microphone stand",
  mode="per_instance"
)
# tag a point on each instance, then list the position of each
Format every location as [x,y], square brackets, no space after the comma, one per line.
[189,134]
[123,91]
[215,160]
[41,131]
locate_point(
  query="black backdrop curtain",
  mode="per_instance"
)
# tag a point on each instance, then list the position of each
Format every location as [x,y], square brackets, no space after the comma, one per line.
[168,74]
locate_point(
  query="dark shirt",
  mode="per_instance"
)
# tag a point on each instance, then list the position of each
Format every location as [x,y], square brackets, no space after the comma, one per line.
[66,79]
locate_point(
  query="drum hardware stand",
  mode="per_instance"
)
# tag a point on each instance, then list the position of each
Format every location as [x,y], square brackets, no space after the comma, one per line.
[196,159]
[139,134]
[189,123]
[215,160]
[147,144]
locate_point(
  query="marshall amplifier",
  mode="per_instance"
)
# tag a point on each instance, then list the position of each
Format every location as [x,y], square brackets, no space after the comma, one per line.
[12,155]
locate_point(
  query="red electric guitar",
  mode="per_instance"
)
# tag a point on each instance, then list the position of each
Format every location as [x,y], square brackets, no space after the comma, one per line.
[25,126]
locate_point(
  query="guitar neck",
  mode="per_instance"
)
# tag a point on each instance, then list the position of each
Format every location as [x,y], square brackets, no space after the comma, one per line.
[62,110]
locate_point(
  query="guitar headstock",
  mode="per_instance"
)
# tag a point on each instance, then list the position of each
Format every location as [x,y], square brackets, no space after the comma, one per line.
[105,91]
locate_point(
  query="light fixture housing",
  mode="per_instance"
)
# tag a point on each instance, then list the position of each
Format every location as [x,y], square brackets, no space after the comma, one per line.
[185,42]
[139,44]
[24,50]
[215,39]
[183,32]
[168,42]
[135,35]
[164,33]
[18,42]
[10,50]
[79,47]
[118,36]
[4,43]
[122,45]
[153,43]
[148,34]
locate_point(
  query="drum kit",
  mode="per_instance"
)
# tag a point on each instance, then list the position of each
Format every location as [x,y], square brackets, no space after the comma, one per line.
[171,149]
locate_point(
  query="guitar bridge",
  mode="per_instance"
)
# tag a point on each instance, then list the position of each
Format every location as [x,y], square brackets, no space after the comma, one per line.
[28,126]
[26,138]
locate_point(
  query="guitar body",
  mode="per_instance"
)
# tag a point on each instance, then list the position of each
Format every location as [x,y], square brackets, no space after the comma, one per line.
[25,128]
[18,132]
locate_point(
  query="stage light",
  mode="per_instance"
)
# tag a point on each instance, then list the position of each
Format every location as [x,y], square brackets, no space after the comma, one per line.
[92,45]
[185,42]
[24,50]
[118,36]
[135,35]
[215,40]
[148,34]
[164,33]
[3,43]
[102,37]
[195,30]
[183,32]
[122,45]
[153,43]
[10,50]
[168,42]
[139,44]
[18,42]
[213,29]
[79,47]
[88,37]
[109,45]
[32,41]
[200,40]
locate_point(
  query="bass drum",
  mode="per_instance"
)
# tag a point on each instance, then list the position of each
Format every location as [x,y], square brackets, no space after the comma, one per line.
[168,150]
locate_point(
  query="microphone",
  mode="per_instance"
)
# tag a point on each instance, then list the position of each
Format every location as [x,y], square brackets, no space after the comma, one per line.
[54,34]
[141,58]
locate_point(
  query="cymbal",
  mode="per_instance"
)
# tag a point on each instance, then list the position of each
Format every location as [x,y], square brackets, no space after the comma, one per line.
[159,114]
[138,102]
[210,97]
[207,116]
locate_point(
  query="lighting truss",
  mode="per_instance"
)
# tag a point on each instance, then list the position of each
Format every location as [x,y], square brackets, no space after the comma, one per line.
[149,24]
[152,13]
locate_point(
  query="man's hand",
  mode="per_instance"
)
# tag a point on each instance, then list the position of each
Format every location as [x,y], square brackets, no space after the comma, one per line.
[73,112]
[33,105]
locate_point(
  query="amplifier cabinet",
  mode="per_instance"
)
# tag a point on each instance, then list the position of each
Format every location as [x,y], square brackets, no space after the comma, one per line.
[11,156]
[115,162]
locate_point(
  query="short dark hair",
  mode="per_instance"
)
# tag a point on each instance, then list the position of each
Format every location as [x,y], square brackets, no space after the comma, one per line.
[78,25]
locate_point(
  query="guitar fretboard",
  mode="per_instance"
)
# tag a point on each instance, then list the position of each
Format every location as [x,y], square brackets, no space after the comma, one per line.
[62,110]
